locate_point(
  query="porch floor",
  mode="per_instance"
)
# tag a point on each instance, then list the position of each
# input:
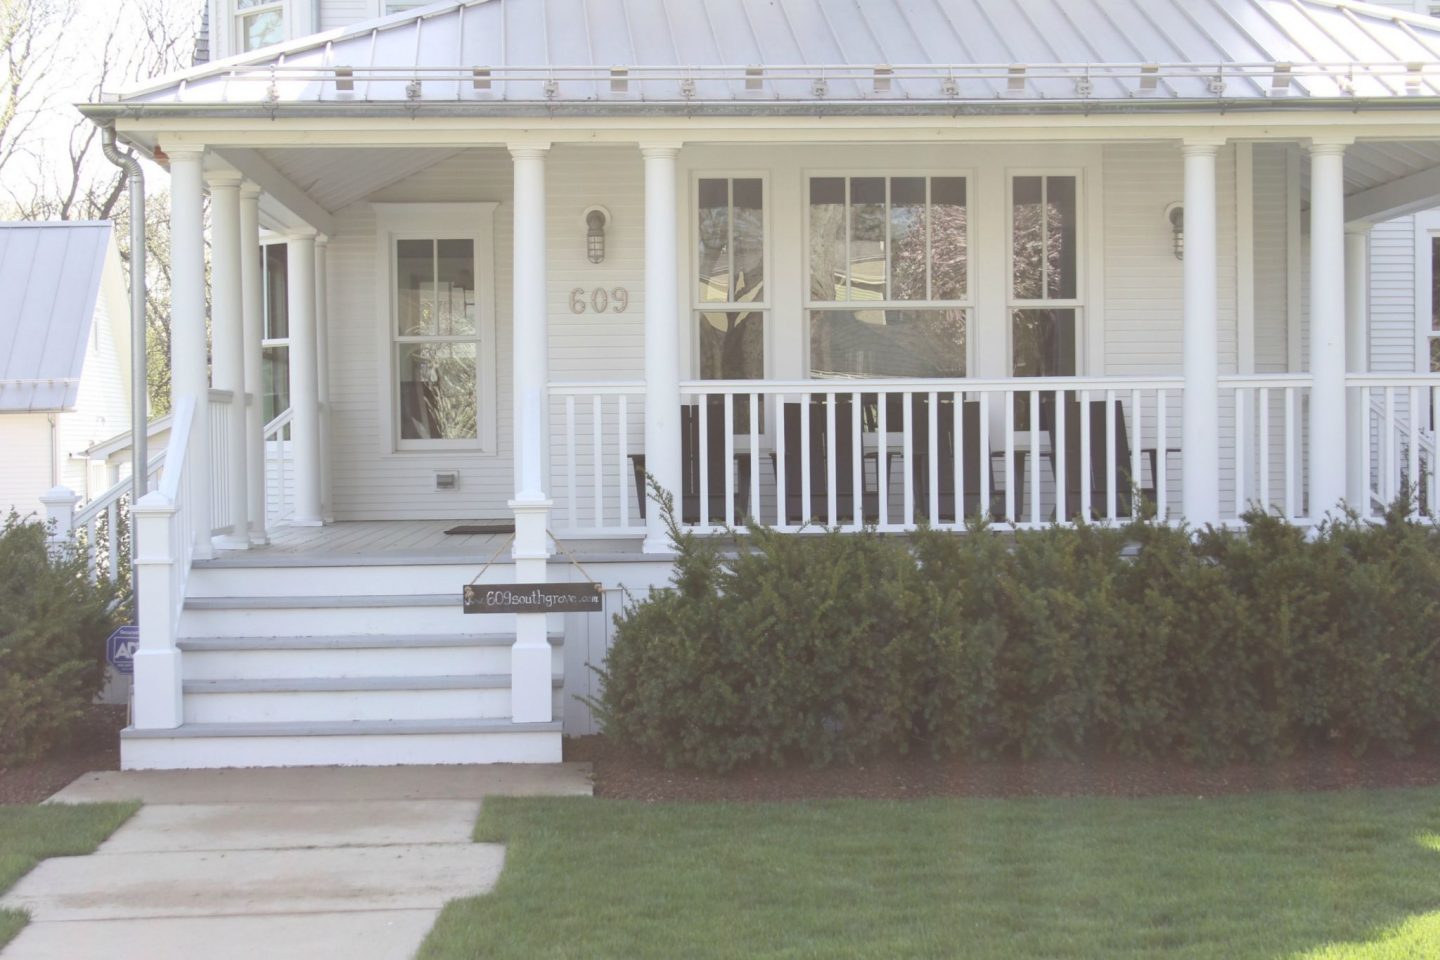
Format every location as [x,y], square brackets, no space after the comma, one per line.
[384,542]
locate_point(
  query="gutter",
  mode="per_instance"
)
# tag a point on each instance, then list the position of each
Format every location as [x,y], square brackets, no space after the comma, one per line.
[139,377]
[109,112]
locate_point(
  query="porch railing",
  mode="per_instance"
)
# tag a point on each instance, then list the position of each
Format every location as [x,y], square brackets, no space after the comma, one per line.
[1264,441]
[597,449]
[1400,414]
[279,469]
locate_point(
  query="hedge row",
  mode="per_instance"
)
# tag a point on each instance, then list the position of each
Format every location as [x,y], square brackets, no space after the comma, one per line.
[1141,641]
[53,625]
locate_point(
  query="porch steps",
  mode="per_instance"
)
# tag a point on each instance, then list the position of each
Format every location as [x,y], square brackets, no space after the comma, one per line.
[374,665]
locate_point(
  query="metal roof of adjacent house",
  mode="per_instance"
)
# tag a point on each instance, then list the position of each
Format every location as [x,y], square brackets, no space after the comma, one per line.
[761,54]
[50,277]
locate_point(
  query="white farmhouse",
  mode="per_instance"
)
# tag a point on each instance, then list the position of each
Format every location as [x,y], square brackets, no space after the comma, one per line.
[491,263]
[64,358]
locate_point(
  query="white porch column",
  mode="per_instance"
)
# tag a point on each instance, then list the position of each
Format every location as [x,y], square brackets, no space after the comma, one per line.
[252,314]
[189,364]
[662,337]
[304,377]
[530,670]
[1328,447]
[1357,358]
[1200,436]
[322,364]
[229,345]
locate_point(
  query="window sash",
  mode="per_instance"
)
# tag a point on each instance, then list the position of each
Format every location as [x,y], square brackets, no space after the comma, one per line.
[1017,305]
[888,301]
[762,300]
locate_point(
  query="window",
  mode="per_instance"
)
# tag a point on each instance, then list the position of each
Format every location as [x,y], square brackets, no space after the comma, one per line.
[275,344]
[1044,275]
[259,23]
[889,276]
[1432,335]
[437,342]
[730,291]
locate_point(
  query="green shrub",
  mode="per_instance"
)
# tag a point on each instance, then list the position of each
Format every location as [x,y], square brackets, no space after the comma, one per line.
[53,626]
[1141,641]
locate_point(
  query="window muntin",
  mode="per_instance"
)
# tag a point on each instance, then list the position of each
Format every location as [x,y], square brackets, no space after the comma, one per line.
[436,342]
[730,295]
[259,23]
[899,245]
[275,341]
[1044,290]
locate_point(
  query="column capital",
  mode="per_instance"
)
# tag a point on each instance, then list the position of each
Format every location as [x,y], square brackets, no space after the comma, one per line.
[1358,228]
[302,233]
[223,179]
[661,149]
[250,190]
[528,150]
[1202,146]
[1330,146]
[184,153]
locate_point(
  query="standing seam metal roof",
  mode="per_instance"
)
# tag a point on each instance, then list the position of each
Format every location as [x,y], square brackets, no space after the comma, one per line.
[49,282]
[708,51]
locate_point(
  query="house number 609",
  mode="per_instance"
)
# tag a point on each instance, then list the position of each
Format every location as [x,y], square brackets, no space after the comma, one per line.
[599,300]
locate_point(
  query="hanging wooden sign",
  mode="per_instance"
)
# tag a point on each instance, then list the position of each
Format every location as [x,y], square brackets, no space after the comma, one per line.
[534,598]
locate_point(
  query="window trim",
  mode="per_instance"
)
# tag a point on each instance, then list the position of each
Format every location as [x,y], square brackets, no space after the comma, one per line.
[1081,302]
[691,252]
[431,221]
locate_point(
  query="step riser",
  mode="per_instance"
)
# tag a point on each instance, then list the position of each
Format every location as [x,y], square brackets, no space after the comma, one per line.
[338,622]
[337,581]
[482,704]
[359,750]
[381,662]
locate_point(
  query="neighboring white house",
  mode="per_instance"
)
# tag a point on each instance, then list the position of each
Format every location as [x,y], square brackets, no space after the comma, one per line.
[64,358]
[810,261]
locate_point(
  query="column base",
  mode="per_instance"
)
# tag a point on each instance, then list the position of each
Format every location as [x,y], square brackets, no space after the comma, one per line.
[305,522]
[226,541]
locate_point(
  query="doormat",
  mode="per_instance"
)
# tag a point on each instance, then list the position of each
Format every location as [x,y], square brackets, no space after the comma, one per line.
[470,529]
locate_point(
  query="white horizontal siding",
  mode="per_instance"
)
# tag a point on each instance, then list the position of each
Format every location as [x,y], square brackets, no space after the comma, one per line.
[343,13]
[1393,310]
[25,467]
[102,407]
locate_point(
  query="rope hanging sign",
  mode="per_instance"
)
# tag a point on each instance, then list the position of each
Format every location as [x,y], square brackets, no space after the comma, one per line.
[587,597]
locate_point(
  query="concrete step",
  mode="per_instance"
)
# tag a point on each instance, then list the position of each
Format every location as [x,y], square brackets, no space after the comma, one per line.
[485,696]
[335,615]
[340,743]
[244,658]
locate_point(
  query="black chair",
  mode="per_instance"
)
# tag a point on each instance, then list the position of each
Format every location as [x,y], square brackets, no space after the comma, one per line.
[716,469]
[972,461]
[821,444]
[1125,481]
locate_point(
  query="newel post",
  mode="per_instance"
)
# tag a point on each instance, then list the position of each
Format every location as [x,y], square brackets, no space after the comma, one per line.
[59,503]
[158,700]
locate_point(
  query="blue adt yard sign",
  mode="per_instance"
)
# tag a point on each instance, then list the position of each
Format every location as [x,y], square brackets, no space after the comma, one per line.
[120,648]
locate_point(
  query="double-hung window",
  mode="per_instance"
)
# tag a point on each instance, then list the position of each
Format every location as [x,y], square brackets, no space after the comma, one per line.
[275,345]
[259,23]
[1044,297]
[731,302]
[889,286]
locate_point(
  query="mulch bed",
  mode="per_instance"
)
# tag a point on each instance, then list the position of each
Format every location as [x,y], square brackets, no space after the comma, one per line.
[96,746]
[623,775]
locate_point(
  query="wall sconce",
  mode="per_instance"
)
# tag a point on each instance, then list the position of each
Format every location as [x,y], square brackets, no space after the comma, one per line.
[1175,214]
[597,218]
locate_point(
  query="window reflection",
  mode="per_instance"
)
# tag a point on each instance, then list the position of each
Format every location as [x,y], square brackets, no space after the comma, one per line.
[887,343]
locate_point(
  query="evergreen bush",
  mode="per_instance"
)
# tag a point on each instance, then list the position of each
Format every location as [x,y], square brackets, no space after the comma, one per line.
[53,626]
[1138,641]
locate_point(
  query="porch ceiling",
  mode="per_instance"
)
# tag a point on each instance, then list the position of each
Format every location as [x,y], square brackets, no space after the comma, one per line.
[335,178]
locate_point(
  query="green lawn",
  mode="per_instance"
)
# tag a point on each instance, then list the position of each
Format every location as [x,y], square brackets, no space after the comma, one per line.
[1339,876]
[30,834]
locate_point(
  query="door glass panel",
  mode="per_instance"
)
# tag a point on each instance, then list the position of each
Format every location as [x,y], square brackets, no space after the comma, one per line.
[907,239]
[949,238]
[415,287]
[455,288]
[275,257]
[274,381]
[827,239]
[1060,238]
[714,225]
[867,238]
[437,391]
[887,343]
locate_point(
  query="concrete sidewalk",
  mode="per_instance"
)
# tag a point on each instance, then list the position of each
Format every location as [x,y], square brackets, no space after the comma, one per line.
[301,863]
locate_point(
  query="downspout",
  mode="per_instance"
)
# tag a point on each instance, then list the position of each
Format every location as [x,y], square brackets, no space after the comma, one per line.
[139,393]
